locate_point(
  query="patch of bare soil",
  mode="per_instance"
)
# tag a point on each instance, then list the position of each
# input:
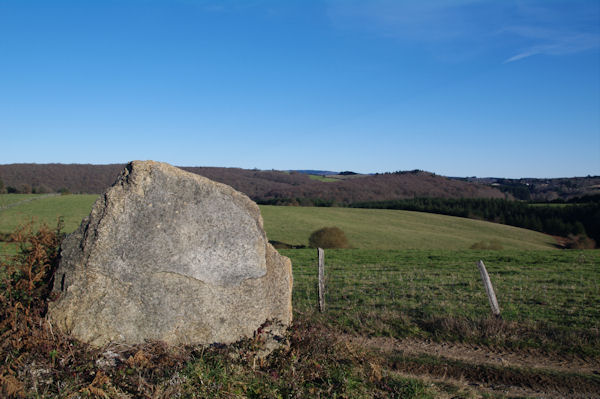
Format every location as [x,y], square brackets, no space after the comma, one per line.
[469,389]
[524,373]
[481,354]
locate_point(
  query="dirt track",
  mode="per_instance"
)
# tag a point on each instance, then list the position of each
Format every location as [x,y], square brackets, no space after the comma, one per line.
[479,369]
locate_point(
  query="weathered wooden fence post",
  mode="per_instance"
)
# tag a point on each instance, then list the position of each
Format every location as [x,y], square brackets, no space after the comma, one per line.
[321,279]
[487,283]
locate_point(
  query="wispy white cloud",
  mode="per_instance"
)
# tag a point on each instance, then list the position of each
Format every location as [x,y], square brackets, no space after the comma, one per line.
[521,56]
[543,41]
[513,29]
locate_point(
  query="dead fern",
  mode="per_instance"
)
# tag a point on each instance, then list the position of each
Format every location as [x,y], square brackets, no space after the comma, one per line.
[11,387]
[25,284]
[97,387]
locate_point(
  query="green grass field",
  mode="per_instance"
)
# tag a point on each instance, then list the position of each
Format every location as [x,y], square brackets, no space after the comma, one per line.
[405,267]
[9,199]
[42,209]
[72,208]
[393,229]
[365,228]
[553,295]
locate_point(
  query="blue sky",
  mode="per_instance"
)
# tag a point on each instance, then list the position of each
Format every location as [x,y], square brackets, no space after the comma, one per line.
[455,87]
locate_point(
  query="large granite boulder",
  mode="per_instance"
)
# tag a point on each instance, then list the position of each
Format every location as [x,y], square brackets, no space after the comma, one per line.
[172,256]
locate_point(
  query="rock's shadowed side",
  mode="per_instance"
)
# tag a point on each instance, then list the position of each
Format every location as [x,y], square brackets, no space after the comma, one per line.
[169,255]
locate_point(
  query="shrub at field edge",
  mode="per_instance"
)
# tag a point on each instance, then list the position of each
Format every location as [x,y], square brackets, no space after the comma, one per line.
[328,237]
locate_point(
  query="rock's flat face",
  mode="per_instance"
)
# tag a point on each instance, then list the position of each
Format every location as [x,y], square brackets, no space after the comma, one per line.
[172,256]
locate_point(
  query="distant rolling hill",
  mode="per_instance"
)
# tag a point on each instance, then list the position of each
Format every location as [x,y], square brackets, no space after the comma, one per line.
[393,229]
[263,186]
[365,228]
[544,190]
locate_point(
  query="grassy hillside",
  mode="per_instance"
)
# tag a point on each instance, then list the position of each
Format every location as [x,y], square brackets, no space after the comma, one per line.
[392,229]
[72,208]
[365,228]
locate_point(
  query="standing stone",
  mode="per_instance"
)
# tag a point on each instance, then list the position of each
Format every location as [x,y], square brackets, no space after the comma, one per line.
[172,256]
